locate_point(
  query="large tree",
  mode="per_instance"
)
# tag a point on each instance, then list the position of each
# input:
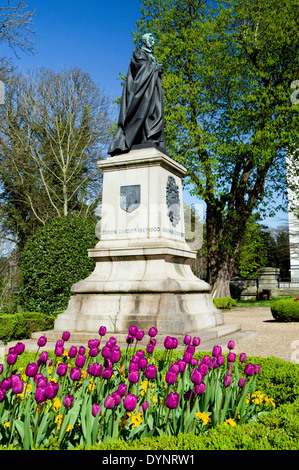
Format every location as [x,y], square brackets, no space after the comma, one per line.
[228,68]
[53,128]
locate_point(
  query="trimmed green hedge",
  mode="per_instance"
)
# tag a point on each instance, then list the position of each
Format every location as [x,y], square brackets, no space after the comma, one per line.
[224,302]
[286,310]
[21,325]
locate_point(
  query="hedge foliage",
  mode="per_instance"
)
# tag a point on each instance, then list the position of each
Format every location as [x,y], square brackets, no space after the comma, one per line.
[224,302]
[21,325]
[285,310]
[53,260]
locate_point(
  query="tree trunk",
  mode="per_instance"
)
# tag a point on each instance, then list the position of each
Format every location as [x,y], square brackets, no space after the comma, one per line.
[221,285]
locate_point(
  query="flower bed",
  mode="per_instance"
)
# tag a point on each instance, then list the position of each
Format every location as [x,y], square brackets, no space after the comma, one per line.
[101,393]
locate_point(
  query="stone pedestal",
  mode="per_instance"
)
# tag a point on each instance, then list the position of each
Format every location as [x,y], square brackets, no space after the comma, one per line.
[142,274]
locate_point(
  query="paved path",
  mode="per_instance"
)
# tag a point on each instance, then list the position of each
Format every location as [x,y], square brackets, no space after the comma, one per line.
[279,339]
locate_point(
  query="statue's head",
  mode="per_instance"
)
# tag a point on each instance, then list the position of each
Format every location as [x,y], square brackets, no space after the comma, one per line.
[148,40]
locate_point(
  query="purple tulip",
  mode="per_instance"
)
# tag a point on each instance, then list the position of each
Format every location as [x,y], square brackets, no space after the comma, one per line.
[143,363]
[249,369]
[190,349]
[133,330]
[59,343]
[243,357]
[41,382]
[59,350]
[134,376]
[200,388]
[196,341]
[144,406]
[93,351]
[139,335]
[196,377]
[81,350]
[117,397]
[134,366]
[2,394]
[122,389]
[31,369]
[6,383]
[106,351]
[94,343]
[73,351]
[257,368]
[242,382]
[203,368]
[107,373]
[17,386]
[207,360]
[62,369]
[150,347]
[150,372]
[169,342]
[217,350]
[11,358]
[109,402]
[187,339]
[297,298]
[102,330]
[96,409]
[130,339]
[153,332]
[1,368]
[227,380]
[39,395]
[187,357]
[231,344]
[42,341]
[115,354]
[182,365]
[130,402]
[172,400]
[170,377]
[231,357]
[19,348]
[175,368]
[68,401]
[51,390]
[75,374]
[66,336]
[95,369]
[80,361]
[215,364]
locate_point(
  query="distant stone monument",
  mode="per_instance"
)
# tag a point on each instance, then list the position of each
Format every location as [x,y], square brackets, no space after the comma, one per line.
[142,274]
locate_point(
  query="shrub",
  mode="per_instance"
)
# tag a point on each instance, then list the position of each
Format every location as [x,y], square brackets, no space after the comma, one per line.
[53,260]
[21,325]
[224,302]
[285,310]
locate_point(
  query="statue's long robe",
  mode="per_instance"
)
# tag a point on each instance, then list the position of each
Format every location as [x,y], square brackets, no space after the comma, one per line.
[141,121]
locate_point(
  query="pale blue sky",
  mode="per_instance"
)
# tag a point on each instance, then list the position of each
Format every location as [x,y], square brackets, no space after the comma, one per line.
[96,36]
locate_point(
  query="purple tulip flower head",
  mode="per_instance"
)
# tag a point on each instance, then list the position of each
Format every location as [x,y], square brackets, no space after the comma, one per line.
[19,348]
[172,400]
[242,382]
[66,336]
[68,401]
[130,402]
[150,372]
[227,380]
[39,395]
[31,369]
[231,357]
[75,374]
[249,369]
[73,351]
[95,369]
[187,339]
[102,330]
[196,377]
[122,389]
[2,394]
[200,388]
[243,357]
[42,341]
[17,386]
[109,402]
[170,377]
[62,369]
[153,332]
[196,341]
[95,410]
[217,350]
[51,390]
[80,361]
[11,358]
[231,344]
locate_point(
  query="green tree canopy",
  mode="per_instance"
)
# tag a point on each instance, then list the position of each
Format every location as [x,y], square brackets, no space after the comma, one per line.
[228,68]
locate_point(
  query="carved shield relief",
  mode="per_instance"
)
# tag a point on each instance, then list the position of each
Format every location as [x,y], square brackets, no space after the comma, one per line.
[130,197]
[173,201]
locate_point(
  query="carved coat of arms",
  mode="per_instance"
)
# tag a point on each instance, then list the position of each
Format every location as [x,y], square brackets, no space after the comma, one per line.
[130,197]
[173,201]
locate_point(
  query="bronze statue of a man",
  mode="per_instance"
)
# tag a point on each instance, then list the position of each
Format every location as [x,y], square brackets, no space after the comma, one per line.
[141,121]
